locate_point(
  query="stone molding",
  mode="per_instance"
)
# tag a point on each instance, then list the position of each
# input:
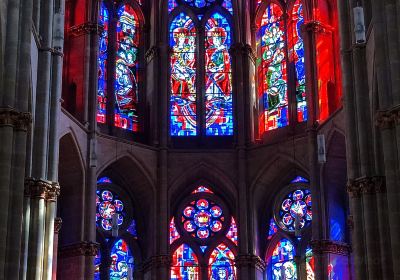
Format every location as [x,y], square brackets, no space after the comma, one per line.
[57,225]
[11,117]
[86,28]
[328,246]
[42,189]
[83,248]
[388,119]
[250,261]
[156,261]
[249,52]
[316,26]
[366,185]
[151,54]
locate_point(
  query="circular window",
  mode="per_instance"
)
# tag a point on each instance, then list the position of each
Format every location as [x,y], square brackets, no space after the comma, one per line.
[202,218]
[199,3]
[108,205]
[295,210]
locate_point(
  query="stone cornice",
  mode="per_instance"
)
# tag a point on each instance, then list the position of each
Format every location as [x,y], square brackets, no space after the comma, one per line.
[86,28]
[156,261]
[328,246]
[366,185]
[387,119]
[11,117]
[57,225]
[151,54]
[42,189]
[250,261]
[83,248]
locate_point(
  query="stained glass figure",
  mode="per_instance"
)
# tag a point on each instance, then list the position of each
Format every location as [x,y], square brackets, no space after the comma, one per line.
[309,264]
[102,66]
[227,4]
[202,189]
[233,232]
[132,229]
[218,79]
[183,77]
[172,5]
[282,266]
[107,205]
[126,69]
[273,228]
[296,205]
[97,263]
[202,218]
[173,233]
[272,69]
[104,180]
[122,264]
[299,179]
[296,54]
[184,264]
[221,264]
[199,3]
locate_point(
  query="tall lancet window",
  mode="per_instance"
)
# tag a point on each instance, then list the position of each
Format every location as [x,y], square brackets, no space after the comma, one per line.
[201,95]
[281,72]
[118,70]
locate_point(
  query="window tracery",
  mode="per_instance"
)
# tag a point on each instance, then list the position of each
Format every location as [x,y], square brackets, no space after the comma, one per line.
[201,222]
[200,88]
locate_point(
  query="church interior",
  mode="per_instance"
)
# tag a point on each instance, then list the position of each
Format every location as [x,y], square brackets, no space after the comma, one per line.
[200,139]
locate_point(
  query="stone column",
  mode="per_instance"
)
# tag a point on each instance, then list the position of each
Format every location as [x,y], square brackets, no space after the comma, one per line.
[57,228]
[253,265]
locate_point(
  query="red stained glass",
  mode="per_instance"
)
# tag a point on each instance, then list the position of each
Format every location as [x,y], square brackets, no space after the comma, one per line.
[221,263]
[173,233]
[184,264]
[233,232]
[102,66]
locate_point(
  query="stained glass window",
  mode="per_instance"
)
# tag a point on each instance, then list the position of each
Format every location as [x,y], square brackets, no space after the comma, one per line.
[102,66]
[218,97]
[132,229]
[281,263]
[199,3]
[309,264]
[104,180]
[202,218]
[97,263]
[272,71]
[173,233]
[202,189]
[183,76]
[279,42]
[126,76]
[122,264]
[227,4]
[108,205]
[299,179]
[273,228]
[296,53]
[296,205]
[184,264]
[221,263]
[172,5]
[233,232]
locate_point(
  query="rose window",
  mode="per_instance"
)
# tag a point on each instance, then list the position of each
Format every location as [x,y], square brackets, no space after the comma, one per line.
[202,218]
[296,208]
[107,205]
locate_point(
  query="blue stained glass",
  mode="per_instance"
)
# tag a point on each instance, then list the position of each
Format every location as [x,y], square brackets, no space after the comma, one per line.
[172,5]
[184,264]
[103,180]
[97,263]
[221,263]
[199,3]
[122,264]
[183,77]
[282,265]
[203,248]
[126,76]
[102,66]
[299,179]
[107,205]
[273,228]
[227,4]
[132,229]
[218,97]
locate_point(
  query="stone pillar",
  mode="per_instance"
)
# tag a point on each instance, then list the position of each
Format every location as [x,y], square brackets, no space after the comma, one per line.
[57,228]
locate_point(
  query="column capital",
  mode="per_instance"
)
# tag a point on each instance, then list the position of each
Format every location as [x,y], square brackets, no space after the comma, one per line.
[83,248]
[316,26]
[57,225]
[329,246]
[366,185]
[156,261]
[43,189]
[250,261]
[86,28]
[249,52]
[386,119]
[12,117]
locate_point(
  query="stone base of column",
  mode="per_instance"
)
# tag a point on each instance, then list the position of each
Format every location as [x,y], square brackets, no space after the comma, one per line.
[156,267]
[249,267]
[73,259]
